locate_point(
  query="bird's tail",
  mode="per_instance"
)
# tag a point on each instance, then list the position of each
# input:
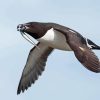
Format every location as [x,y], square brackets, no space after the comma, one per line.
[93,45]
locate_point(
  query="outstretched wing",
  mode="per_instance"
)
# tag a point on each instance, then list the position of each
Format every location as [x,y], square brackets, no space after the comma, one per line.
[85,55]
[88,58]
[34,66]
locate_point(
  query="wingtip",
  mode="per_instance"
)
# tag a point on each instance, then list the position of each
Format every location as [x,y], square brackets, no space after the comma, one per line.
[20,88]
[97,71]
[18,91]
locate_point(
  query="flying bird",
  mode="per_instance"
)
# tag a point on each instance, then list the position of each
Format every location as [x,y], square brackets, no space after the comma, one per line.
[52,36]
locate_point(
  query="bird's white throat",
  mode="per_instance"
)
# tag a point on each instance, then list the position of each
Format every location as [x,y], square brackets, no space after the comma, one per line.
[55,39]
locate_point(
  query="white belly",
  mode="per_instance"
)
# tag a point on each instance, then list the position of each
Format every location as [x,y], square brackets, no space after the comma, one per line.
[55,39]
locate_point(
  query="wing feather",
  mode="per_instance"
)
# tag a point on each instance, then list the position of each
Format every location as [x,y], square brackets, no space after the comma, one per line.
[34,66]
[88,59]
[82,52]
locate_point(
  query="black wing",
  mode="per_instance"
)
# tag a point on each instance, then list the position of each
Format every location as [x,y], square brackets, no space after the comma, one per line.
[34,66]
[78,44]
[88,59]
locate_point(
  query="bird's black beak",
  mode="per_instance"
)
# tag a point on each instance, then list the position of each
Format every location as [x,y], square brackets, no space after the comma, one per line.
[21,28]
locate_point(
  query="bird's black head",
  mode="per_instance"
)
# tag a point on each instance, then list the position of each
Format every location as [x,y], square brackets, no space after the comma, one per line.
[35,29]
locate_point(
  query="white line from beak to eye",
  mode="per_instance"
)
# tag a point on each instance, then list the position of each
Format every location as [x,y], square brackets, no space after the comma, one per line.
[29,39]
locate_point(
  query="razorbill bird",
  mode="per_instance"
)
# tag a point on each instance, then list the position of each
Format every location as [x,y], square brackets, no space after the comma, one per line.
[54,36]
